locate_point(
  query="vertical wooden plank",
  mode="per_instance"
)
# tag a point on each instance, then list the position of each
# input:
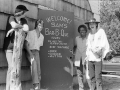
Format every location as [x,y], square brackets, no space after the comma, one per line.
[64,6]
[77,2]
[77,12]
[48,3]
[3,61]
[2,35]
[85,15]
[53,2]
[3,21]
[68,7]
[59,5]
[81,13]
[72,8]
[82,3]
[41,2]
[5,6]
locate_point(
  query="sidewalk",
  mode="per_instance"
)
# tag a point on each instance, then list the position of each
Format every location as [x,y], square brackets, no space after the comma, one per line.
[111,82]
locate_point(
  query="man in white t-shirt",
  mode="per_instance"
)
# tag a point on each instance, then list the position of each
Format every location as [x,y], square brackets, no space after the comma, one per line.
[97,48]
[34,41]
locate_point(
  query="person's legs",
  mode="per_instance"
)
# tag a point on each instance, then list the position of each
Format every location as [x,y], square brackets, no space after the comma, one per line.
[33,69]
[87,74]
[37,58]
[98,75]
[80,76]
[9,54]
[91,68]
[34,73]
[86,79]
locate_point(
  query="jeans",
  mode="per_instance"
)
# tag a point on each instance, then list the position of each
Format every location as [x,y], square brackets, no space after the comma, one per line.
[95,73]
[38,69]
[34,69]
[80,76]
[9,54]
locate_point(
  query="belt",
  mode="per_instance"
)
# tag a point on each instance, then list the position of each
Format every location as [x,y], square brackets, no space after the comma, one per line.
[35,50]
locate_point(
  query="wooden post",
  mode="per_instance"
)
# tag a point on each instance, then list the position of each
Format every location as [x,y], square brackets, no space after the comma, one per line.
[15,77]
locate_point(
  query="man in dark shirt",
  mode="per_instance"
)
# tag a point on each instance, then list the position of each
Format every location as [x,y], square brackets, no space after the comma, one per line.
[15,22]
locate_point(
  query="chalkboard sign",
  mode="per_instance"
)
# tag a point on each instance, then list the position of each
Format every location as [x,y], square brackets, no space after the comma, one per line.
[55,53]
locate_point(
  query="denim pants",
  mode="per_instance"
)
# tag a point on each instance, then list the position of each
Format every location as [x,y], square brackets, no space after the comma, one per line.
[38,69]
[9,54]
[80,76]
[34,69]
[95,73]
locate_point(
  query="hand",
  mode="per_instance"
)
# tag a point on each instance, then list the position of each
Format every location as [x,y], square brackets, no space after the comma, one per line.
[99,53]
[18,26]
[31,56]
[9,32]
[85,61]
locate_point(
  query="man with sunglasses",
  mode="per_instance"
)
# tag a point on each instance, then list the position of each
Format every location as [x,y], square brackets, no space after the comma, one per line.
[15,22]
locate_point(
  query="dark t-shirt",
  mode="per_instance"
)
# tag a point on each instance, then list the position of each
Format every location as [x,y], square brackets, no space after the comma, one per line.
[8,41]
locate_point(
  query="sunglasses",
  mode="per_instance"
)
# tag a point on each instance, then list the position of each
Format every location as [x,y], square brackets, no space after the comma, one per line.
[19,13]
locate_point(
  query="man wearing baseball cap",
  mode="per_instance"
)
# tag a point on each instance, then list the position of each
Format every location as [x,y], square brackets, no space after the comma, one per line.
[97,48]
[15,22]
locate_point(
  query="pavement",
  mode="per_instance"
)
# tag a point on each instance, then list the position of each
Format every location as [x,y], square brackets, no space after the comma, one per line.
[111,82]
[111,76]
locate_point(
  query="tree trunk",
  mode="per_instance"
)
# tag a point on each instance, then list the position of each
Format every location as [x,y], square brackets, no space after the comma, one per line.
[15,77]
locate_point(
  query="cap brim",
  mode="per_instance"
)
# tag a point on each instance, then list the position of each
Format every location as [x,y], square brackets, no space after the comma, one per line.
[26,10]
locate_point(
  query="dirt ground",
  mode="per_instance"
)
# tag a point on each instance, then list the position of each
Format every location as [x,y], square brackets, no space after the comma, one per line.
[111,83]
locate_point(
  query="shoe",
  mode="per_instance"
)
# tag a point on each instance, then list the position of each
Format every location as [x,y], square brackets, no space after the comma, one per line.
[36,86]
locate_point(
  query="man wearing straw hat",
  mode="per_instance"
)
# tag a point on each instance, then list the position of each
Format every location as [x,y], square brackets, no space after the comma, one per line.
[97,48]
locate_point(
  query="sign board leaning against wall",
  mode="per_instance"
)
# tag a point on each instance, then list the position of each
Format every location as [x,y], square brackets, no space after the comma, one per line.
[58,32]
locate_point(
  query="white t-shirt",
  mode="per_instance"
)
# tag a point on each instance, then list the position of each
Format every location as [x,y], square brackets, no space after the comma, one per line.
[34,41]
[96,42]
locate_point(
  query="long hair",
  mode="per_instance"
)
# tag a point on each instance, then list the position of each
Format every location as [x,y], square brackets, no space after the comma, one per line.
[37,22]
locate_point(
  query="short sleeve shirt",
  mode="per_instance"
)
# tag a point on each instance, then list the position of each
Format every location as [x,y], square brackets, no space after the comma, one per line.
[81,49]
[34,41]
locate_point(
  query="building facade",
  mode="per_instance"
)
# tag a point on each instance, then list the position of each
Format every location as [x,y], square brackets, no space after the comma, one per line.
[82,12]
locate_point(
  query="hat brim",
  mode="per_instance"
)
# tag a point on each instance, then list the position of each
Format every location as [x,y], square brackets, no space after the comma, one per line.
[91,22]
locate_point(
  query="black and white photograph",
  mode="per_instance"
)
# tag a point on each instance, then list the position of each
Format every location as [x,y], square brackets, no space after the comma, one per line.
[110,21]
[59,45]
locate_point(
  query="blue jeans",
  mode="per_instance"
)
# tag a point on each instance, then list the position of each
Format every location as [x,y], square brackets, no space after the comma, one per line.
[95,73]
[9,54]
[34,69]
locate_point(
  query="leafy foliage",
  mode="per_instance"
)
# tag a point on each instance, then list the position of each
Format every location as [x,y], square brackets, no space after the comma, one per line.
[110,22]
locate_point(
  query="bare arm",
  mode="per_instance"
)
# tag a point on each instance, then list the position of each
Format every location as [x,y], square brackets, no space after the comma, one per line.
[14,24]
[27,47]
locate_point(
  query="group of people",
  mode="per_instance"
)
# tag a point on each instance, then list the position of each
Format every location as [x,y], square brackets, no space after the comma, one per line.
[91,47]
[32,40]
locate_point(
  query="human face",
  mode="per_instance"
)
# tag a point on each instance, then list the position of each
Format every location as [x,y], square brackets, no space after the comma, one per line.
[40,27]
[20,14]
[93,26]
[83,32]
